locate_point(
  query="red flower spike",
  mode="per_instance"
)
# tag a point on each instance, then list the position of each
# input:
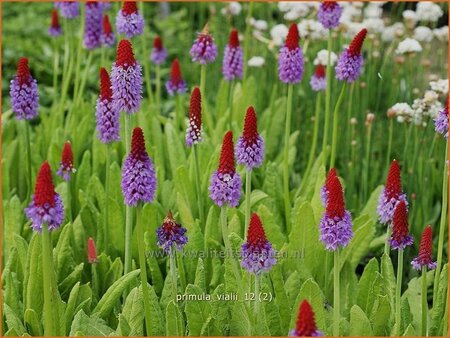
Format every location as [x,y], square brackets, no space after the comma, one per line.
[306,324]
[426,245]
[255,233]
[356,44]
[125,55]
[55,20]
[393,186]
[92,251]
[138,144]
[129,7]
[226,163]
[157,43]
[23,72]
[195,108]
[67,155]
[105,85]
[329,4]
[233,40]
[400,222]
[332,173]
[44,191]
[107,29]
[250,133]
[175,72]
[335,202]
[292,38]
[320,71]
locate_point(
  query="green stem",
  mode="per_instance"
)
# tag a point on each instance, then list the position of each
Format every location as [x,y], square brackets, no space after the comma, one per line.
[83,80]
[94,281]
[223,223]
[287,133]
[257,302]
[198,186]
[386,243]
[248,192]
[247,37]
[367,162]
[107,179]
[50,306]
[398,293]
[230,105]
[69,201]
[388,154]
[315,134]
[28,146]
[205,115]
[79,52]
[335,126]
[146,60]
[442,226]
[128,210]
[348,140]
[179,112]
[327,102]
[173,271]
[336,298]
[424,301]
[143,268]
[55,71]
[158,89]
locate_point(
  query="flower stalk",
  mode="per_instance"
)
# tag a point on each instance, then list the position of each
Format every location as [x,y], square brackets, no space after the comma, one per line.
[336,297]
[327,101]
[287,133]
[424,301]
[398,293]
[335,126]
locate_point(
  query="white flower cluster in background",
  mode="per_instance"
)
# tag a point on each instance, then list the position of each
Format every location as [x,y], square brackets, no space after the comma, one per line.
[440,86]
[441,33]
[256,61]
[408,46]
[396,30]
[279,33]
[428,11]
[312,30]
[232,8]
[322,57]
[423,34]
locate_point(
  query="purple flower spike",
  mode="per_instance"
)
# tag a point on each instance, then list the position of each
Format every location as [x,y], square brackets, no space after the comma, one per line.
[250,146]
[336,222]
[225,185]
[204,49]
[24,92]
[233,62]
[107,37]
[66,167]
[159,53]
[329,14]
[318,81]
[126,78]
[138,173]
[107,113]
[46,205]
[441,122]
[350,61]
[171,235]
[68,9]
[257,253]
[129,21]
[290,60]
[55,28]
[425,257]
[176,84]
[93,25]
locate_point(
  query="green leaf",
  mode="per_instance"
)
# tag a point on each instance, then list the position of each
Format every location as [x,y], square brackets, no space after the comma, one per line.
[220,310]
[13,219]
[387,271]
[133,312]
[33,323]
[240,324]
[272,228]
[359,323]
[197,311]
[157,322]
[281,299]
[410,332]
[34,295]
[438,312]
[13,321]
[365,284]
[112,295]
[67,284]
[200,275]
[174,320]
[175,149]
[381,310]
[89,326]
[371,206]
[292,287]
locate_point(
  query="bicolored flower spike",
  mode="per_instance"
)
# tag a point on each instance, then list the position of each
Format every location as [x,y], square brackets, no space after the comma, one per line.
[194,129]
[306,323]
[159,53]
[107,37]
[176,84]
[250,146]
[68,9]
[24,92]
[129,21]
[290,59]
[350,62]
[66,165]
[204,49]
[257,253]
[225,184]
[126,79]
[233,61]
[441,121]
[329,14]
[318,80]
[400,237]
[336,222]
[391,195]
[171,235]
[425,257]
[93,25]
[92,251]
[106,111]
[46,205]
[138,173]
[324,189]
[55,27]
